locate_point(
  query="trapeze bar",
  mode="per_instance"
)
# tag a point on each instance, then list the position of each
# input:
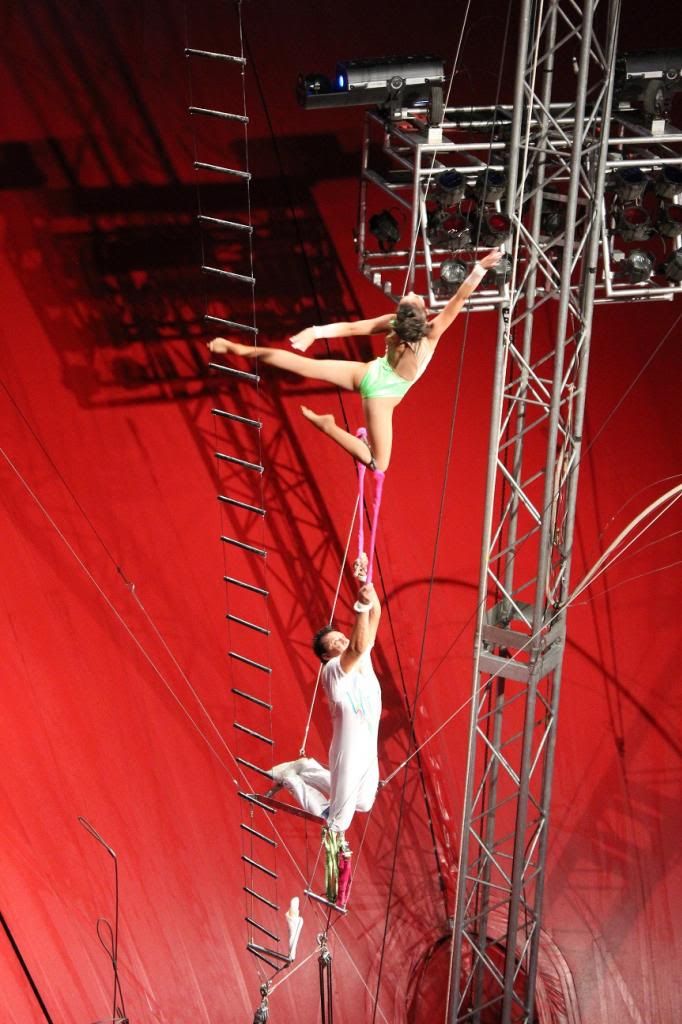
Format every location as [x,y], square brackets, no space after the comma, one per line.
[253,799]
[207,112]
[229,273]
[327,903]
[261,928]
[256,735]
[265,839]
[230,323]
[220,222]
[252,892]
[246,586]
[237,419]
[211,55]
[254,700]
[274,967]
[239,462]
[241,504]
[271,952]
[249,661]
[259,867]
[249,625]
[244,547]
[200,165]
[242,374]
[254,767]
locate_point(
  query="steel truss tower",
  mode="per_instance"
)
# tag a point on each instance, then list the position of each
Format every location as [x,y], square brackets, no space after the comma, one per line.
[533,466]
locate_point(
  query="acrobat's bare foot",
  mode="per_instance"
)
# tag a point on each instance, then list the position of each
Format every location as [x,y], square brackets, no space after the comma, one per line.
[223,346]
[323,421]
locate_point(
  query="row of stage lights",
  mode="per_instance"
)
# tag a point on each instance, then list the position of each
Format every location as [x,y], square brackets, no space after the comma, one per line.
[465,217]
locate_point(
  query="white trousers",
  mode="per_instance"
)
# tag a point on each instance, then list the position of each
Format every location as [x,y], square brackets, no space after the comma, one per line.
[311,785]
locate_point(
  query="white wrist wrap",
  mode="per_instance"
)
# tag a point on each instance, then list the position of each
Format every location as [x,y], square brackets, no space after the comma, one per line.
[318,332]
[477,274]
[360,606]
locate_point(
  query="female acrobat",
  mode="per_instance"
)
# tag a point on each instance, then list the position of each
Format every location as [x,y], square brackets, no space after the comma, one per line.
[411,340]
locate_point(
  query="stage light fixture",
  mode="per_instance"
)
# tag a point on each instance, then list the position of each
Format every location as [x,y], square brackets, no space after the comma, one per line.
[669,182]
[452,273]
[629,183]
[385,229]
[392,82]
[495,228]
[647,81]
[672,268]
[669,222]
[634,224]
[450,186]
[638,267]
[490,186]
[552,219]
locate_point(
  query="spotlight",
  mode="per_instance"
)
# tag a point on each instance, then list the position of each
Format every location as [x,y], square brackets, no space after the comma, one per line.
[634,224]
[495,228]
[452,273]
[490,186]
[669,221]
[552,219]
[498,274]
[648,81]
[459,233]
[629,183]
[395,82]
[385,229]
[669,182]
[672,268]
[435,226]
[638,267]
[450,187]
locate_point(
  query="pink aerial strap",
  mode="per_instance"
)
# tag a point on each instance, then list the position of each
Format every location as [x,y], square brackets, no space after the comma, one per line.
[378,488]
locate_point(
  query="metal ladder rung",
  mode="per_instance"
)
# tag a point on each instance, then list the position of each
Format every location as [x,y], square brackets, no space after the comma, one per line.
[253,799]
[242,374]
[260,867]
[201,165]
[212,55]
[249,625]
[254,700]
[233,324]
[239,462]
[264,839]
[207,112]
[243,546]
[262,928]
[249,661]
[241,504]
[246,586]
[256,735]
[252,892]
[204,218]
[254,948]
[271,965]
[236,418]
[246,278]
[254,767]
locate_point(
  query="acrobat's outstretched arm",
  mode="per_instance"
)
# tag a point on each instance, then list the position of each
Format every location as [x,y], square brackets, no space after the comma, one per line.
[440,323]
[343,329]
[367,615]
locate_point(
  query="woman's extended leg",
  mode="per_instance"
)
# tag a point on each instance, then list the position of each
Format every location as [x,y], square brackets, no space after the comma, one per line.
[344,373]
[379,420]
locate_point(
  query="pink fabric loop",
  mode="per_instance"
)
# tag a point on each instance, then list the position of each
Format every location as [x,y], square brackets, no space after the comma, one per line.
[378,488]
[344,879]
[362,468]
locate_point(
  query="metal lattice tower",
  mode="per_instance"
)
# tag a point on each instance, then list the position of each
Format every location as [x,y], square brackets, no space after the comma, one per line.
[533,465]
